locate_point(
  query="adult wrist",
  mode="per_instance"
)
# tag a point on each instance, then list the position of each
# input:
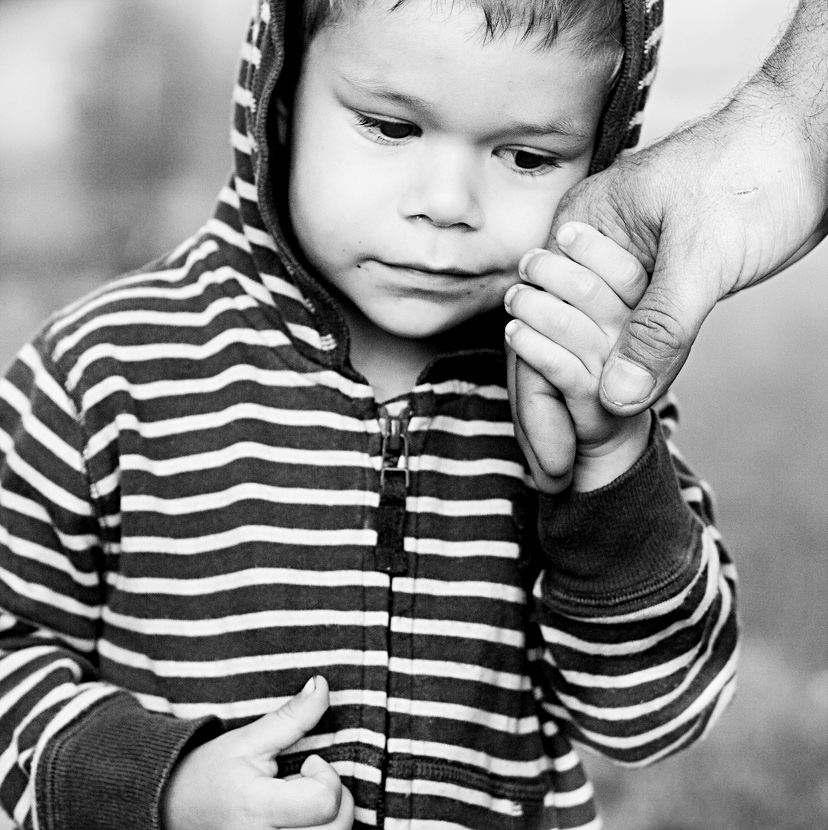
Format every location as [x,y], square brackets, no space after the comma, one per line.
[795,75]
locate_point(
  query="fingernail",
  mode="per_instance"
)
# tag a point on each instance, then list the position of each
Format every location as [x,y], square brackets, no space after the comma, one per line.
[627,383]
[566,235]
[308,689]
[527,258]
[510,295]
[511,326]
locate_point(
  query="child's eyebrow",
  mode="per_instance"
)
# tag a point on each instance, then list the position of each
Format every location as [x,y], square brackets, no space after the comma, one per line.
[559,126]
[556,126]
[378,89]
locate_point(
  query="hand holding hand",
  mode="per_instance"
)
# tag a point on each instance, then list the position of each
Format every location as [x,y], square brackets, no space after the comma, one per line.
[715,207]
[228,783]
[559,341]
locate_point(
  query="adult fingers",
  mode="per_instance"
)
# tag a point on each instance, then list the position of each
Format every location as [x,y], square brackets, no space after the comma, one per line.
[656,340]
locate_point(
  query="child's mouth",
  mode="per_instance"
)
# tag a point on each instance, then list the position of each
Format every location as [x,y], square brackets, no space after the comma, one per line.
[438,271]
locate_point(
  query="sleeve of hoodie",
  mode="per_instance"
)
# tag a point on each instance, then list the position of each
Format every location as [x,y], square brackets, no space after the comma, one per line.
[636,605]
[78,753]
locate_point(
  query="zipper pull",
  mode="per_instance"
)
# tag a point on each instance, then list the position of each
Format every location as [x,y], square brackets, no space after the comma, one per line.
[394,445]
[389,555]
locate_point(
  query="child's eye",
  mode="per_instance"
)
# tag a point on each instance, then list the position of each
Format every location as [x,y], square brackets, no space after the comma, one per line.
[526,161]
[387,132]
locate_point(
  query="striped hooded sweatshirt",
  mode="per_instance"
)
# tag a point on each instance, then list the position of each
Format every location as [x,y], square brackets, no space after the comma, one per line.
[202,505]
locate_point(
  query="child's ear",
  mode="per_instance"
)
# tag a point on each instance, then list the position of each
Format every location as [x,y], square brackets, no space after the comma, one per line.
[282,121]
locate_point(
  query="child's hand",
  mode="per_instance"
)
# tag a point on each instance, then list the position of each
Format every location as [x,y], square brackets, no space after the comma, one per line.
[559,340]
[228,783]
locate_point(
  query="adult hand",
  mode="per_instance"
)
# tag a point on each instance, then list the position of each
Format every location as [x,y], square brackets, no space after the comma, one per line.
[718,206]
[228,783]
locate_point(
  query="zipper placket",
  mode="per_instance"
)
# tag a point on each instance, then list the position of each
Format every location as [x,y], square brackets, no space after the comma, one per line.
[389,555]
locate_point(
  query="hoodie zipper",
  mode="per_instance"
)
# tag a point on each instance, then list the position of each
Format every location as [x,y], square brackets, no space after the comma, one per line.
[389,555]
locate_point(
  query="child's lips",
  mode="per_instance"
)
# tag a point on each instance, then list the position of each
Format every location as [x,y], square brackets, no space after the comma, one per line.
[446,271]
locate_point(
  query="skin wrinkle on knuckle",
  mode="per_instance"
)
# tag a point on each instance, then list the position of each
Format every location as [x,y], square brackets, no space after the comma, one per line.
[562,322]
[589,290]
[549,367]
[654,333]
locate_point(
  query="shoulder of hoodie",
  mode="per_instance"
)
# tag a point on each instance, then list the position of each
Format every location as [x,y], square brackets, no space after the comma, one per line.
[185,298]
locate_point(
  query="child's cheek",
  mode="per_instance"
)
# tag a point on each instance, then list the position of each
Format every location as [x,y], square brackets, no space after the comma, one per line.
[524,222]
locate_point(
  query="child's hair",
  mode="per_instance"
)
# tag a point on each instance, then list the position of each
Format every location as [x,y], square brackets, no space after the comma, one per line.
[595,26]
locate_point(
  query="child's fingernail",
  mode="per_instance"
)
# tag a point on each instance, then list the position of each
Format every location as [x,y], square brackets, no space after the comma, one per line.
[628,383]
[510,329]
[308,689]
[566,235]
[526,259]
[510,295]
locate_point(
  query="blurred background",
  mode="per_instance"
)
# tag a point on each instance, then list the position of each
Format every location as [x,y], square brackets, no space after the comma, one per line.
[114,121]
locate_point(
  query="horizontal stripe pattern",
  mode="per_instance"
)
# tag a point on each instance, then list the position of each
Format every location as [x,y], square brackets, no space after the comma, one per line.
[189,499]
[235,510]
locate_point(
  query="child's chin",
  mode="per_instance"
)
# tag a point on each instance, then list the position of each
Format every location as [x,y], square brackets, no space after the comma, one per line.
[414,329]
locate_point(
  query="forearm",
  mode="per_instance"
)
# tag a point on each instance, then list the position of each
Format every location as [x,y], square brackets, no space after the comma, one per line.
[640,631]
[798,66]
[788,97]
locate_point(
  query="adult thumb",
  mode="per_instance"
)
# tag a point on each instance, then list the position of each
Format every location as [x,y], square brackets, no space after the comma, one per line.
[275,732]
[656,339]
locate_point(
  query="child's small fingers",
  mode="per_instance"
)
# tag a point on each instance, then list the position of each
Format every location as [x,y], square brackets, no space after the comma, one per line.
[617,267]
[543,428]
[580,288]
[314,798]
[560,323]
[558,366]
[345,818]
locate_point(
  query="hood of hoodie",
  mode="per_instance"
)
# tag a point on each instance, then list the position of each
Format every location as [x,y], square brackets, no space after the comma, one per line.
[309,310]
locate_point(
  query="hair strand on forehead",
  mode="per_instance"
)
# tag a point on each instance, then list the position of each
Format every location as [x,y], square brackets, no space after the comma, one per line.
[593,25]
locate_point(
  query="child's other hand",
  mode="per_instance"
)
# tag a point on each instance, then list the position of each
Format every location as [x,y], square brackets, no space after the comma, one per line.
[228,783]
[563,331]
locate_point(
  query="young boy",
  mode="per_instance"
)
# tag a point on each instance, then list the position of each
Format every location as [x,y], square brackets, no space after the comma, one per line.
[284,456]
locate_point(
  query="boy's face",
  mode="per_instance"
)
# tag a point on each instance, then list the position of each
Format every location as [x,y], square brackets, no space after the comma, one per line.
[425,162]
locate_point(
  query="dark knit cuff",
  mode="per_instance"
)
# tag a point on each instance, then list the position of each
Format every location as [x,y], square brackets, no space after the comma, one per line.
[612,547]
[106,771]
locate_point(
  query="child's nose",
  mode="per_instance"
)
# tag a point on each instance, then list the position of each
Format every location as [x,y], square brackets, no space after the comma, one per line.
[445,191]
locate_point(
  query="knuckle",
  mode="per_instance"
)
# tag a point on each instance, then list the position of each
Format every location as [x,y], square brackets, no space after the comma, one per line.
[327,803]
[589,289]
[562,322]
[655,332]
[549,364]
[554,462]
[630,273]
